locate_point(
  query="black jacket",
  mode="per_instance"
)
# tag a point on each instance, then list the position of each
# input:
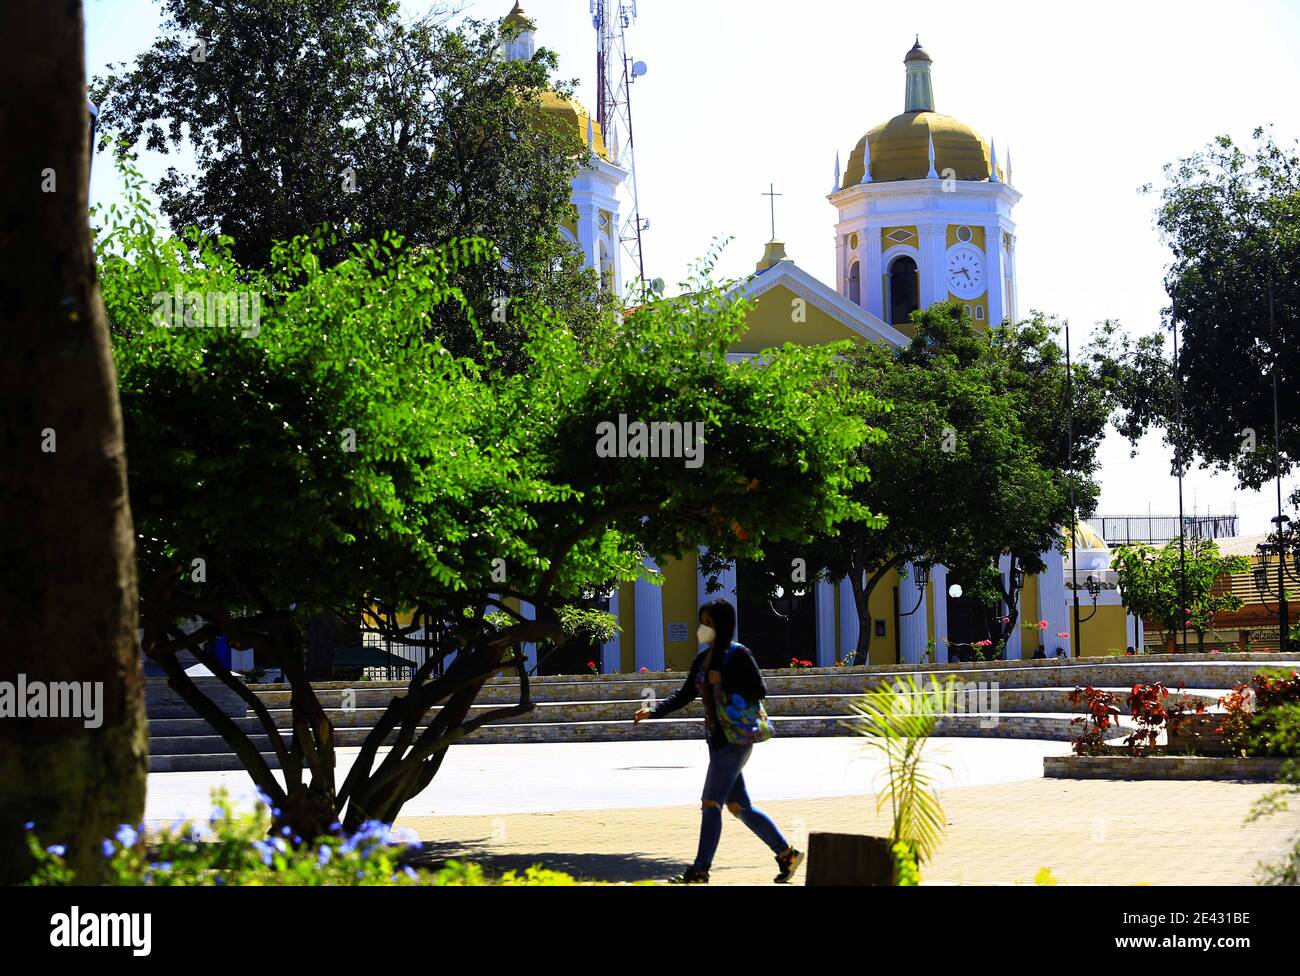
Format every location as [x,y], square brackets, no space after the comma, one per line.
[740,676]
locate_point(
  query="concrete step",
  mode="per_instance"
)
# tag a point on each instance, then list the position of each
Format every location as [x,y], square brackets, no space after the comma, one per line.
[982,699]
[201,753]
[1204,672]
[203,763]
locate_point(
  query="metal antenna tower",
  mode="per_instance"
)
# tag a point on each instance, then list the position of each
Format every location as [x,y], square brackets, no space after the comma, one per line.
[615,73]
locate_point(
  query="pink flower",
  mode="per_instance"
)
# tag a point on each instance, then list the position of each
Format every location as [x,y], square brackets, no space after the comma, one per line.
[645,671]
[1006,620]
[1063,633]
[1042,625]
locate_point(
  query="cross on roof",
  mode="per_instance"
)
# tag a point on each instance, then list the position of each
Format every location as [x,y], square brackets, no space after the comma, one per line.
[771,194]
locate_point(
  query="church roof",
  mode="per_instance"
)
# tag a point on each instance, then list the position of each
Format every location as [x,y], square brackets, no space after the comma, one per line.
[855,319]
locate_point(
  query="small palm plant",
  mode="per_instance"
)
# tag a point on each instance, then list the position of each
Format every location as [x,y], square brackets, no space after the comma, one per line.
[897,721]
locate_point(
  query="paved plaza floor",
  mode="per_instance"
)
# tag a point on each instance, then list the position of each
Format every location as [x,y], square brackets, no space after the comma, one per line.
[630,811]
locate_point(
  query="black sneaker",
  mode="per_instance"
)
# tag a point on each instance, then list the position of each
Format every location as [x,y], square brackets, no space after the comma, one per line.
[691,875]
[788,863]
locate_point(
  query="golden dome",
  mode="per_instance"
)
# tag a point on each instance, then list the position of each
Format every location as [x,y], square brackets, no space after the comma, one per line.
[519,19]
[900,150]
[570,112]
[1085,537]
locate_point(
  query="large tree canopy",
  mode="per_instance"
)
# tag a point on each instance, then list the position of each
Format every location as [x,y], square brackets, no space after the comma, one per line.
[306,112]
[972,461]
[1231,217]
[327,454]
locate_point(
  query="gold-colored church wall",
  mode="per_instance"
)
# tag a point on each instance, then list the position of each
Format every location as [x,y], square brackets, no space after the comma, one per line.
[976,235]
[1029,640]
[679,594]
[884,650]
[886,243]
[770,324]
[1107,631]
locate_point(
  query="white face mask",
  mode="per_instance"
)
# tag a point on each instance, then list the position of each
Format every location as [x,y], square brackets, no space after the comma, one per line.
[706,634]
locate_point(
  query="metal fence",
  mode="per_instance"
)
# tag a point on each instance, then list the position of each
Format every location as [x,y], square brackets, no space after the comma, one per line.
[400,659]
[1159,529]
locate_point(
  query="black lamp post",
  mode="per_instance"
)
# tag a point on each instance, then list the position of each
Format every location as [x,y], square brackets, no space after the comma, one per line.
[922,580]
[1093,586]
[1283,543]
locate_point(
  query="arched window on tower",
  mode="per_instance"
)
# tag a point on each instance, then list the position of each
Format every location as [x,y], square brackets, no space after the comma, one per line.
[855,284]
[904,290]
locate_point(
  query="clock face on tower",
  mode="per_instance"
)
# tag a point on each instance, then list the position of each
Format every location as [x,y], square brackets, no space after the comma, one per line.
[965,271]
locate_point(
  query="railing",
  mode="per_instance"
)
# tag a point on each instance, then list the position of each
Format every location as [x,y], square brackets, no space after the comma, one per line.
[1155,529]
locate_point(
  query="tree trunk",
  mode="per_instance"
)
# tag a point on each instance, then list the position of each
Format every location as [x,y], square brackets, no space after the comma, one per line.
[861,603]
[67,554]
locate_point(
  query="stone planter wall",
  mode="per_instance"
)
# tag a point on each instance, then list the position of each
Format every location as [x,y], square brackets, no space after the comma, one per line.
[1161,767]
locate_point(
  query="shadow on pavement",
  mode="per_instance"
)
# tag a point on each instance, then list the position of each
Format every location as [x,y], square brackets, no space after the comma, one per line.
[586,867]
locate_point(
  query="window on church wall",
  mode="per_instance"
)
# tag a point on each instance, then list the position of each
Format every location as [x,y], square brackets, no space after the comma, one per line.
[904,290]
[855,284]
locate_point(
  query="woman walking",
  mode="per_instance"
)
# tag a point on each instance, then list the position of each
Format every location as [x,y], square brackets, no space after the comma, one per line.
[725,674]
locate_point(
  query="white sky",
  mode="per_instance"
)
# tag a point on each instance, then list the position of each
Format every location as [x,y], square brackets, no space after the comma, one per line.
[1092,100]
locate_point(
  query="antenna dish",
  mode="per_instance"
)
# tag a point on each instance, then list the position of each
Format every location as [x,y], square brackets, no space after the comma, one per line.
[638,69]
[657,284]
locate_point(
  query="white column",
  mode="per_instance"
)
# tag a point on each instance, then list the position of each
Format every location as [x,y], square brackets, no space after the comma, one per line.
[939,591]
[996,274]
[848,619]
[1013,639]
[1053,605]
[914,629]
[933,288]
[841,265]
[873,293]
[1133,623]
[824,596]
[1012,309]
[611,652]
[588,232]
[649,623]
[529,612]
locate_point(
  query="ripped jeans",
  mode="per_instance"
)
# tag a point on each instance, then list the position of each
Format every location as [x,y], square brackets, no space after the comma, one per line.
[724,783]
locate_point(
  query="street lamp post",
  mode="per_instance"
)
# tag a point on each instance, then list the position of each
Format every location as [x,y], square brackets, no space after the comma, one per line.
[1178,458]
[1284,545]
[1074,514]
[1283,609]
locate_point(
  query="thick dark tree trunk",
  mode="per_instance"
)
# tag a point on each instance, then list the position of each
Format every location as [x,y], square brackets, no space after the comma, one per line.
[67,556]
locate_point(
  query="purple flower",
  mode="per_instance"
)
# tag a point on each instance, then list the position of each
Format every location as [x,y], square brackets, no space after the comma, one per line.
[126,835]
[108,848]
[58,850]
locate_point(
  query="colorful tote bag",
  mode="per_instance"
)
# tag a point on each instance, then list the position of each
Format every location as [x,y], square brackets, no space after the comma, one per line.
[742,721]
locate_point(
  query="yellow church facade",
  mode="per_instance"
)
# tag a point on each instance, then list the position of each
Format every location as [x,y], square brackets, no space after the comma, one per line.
[923,213]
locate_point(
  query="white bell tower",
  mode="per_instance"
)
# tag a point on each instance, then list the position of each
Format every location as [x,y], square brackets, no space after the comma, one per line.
[925,214]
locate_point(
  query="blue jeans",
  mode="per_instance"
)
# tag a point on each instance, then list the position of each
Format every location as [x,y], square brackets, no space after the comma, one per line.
[724,783]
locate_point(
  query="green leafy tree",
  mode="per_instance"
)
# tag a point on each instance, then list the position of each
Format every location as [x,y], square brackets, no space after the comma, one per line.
[308,112]
[1231,216]
[328,455]
[969,463]
[1151,581]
